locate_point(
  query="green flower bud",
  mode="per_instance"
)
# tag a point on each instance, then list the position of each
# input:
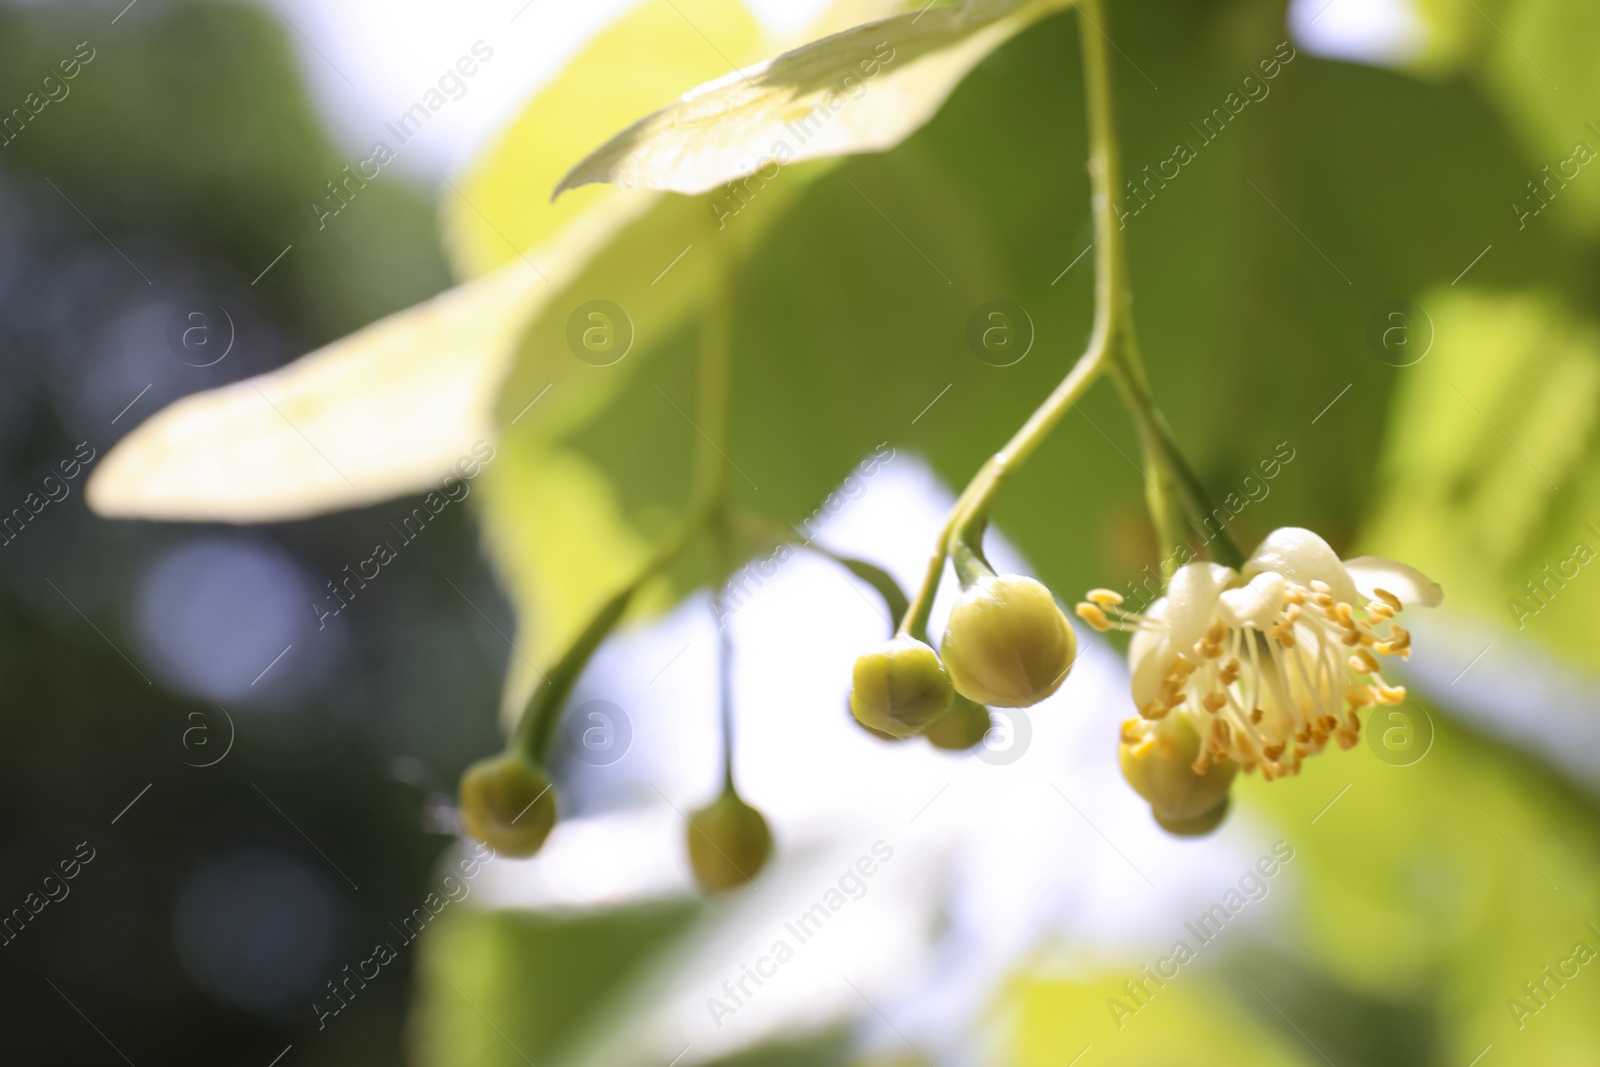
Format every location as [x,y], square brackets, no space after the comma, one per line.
[729,843]
[1160,767]
[507,803]
[1007,643]
[963,726]
[1199,826]
[899,687]
[874,731]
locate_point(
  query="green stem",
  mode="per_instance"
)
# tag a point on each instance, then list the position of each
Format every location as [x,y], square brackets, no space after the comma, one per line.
[1174,489]
[722,541]
[536,728]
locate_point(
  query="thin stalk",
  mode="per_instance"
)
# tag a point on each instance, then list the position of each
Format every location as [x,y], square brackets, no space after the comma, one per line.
[722,539]
[536,728]
[537,725]
[1174,489]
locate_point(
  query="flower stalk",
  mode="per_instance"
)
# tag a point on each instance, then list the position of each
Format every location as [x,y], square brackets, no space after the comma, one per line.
[1173,489]
[536,728]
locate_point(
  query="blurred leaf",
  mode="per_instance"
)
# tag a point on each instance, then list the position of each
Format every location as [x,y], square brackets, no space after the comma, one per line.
[1490,471]
[653,279]
[1454,881]
[507,987]
[748,121]
[1186,1023]
[645,57]
[1535,58]
[381,412]
[554,562]
[387,410]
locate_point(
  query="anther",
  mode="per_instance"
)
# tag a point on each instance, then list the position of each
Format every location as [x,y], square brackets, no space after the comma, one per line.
[1091,614]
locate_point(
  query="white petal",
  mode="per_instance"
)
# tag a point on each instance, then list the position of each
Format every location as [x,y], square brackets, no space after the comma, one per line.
[1256,604]
[1414,588]
[1192,601]
[1149,656]
[1302,557]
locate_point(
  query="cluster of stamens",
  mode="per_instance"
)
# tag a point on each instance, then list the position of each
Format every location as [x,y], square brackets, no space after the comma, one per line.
[1272,694]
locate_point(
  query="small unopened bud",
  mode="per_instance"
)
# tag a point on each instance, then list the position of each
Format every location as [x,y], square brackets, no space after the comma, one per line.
[1198,826]
[507,803]
[1182,801]
[964,725]
[1007,643]
[729,843]
[899,687]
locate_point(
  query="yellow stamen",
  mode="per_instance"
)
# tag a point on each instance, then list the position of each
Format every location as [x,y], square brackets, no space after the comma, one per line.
[1091,614]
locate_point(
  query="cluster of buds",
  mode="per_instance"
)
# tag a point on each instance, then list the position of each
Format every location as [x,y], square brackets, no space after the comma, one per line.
[1007,644]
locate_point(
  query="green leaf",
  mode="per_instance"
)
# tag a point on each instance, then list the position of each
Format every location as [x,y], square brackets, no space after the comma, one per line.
[1489,470]
[382,412]
[1535,58]
[498,207]
[385,411]
[510,987]
[389,409]
[565,538]
[863,90]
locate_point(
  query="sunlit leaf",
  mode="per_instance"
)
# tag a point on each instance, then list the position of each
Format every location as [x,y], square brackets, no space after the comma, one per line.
[1489,469]
[1054,1019]
[500,207]
[385,411]
[560,558]
[863,90]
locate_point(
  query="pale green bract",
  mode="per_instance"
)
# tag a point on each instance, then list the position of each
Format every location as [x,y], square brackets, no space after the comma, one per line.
[863,90]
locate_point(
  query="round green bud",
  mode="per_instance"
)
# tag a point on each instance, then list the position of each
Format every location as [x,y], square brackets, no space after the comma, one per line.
[963,726]
[507,803]
[899,687]
[729,843]
[1163,773]
[1198,826]
[1007,643]
[874,731]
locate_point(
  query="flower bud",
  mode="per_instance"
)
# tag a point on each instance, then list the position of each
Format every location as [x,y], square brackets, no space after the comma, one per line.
[1007,643]
[1161,769]
[1198,826]
[899,687]
[507,803]
[729,843]
[963,726]
[873,730]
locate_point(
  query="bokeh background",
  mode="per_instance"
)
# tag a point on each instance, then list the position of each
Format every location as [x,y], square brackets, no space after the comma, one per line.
[252,796]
